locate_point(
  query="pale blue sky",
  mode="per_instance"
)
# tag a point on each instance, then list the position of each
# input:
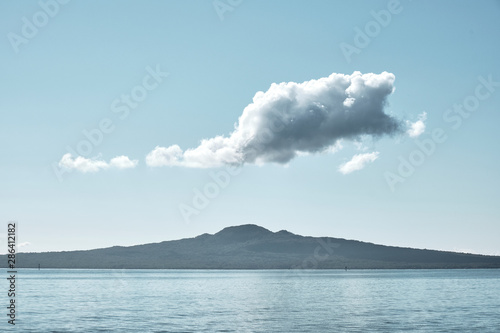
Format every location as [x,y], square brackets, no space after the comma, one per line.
[64,79]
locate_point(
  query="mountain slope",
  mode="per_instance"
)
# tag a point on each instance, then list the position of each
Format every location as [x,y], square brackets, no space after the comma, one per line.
[254,247]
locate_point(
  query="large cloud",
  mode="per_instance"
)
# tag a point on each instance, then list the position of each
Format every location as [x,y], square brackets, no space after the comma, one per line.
[295,118]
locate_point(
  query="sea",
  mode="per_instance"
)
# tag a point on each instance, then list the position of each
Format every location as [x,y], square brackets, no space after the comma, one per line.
[88,301]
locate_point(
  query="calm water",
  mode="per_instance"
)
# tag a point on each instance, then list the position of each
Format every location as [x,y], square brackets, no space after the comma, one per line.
[256,301]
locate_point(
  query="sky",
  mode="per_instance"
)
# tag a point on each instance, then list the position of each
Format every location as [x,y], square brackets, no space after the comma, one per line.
[132,122]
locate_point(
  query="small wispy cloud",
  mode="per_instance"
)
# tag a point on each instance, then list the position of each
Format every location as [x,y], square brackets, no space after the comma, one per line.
[86,165]
[23,244]
[418,127]
[358,162]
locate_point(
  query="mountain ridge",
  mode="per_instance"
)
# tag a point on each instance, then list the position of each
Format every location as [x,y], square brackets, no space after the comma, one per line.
[250,246]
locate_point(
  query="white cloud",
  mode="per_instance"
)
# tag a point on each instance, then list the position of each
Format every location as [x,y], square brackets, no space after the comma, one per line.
[358,162]
[418,127]
[85,165]
[161,156]
[292,119]
[82,164]
[123,162]
[23,244]
[335,148]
